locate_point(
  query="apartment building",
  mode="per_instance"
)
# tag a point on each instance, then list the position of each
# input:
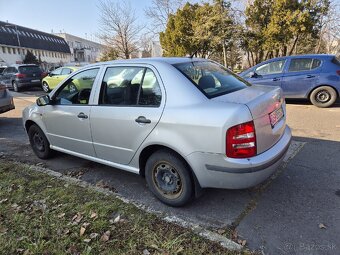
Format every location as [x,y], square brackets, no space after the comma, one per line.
[82,50]
[16,40]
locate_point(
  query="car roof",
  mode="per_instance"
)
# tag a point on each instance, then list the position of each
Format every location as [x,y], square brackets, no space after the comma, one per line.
[167,60]
[19,65]
[302,56]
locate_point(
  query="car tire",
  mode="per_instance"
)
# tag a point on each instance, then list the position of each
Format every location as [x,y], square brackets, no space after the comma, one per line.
[39,142]
[168,178]
[15,86]
[45,87]
[323,96]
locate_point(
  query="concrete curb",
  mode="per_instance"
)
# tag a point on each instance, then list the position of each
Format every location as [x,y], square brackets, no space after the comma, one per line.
[205,233]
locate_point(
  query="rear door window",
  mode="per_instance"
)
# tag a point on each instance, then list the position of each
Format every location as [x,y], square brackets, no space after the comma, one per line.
[211,79]
[303,64]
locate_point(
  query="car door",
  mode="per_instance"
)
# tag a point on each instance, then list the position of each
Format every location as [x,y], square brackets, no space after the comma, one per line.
[67,120]
[130,105]
[269,73]
[301,76]
[7,77]
[54,78]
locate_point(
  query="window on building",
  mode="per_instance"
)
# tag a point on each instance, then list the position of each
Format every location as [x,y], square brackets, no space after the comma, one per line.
[3,49]
[9,50]
[14,51]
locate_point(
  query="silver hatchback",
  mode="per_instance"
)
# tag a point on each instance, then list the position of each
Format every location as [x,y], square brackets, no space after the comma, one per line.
[183,123]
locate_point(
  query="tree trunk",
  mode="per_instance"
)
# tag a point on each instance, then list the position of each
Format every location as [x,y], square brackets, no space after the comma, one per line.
[294,45]
[224,54]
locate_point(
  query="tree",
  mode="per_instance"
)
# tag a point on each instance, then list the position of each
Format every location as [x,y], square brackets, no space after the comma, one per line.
[160,11]
[30,58]
[119,28]
[178,37]
[279,27]
[109,53]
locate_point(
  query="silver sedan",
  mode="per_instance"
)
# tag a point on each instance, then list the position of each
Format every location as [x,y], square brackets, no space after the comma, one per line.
[183,123]
[6,100]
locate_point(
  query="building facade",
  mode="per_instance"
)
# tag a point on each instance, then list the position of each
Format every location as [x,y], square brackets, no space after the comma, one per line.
[16,41]
[82,50]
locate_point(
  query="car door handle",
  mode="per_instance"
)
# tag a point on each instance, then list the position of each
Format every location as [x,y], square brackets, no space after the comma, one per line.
[82,116]
[142,119]
[310,76]
[276,79]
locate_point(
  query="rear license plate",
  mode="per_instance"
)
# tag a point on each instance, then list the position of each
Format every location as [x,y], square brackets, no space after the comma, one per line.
[35,80]
[276,116]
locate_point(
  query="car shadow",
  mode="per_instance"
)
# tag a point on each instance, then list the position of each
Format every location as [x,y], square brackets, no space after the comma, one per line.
[307,102]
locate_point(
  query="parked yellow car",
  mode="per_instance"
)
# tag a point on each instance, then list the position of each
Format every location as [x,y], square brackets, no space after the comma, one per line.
[56,76]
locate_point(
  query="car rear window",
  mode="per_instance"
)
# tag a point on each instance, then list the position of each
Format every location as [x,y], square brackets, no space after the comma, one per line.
[211,79]
[29,69]
[336,61]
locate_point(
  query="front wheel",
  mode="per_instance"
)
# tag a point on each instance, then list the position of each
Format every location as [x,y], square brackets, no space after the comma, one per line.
[168,178]
[45,87]
[323,96]
[39,142]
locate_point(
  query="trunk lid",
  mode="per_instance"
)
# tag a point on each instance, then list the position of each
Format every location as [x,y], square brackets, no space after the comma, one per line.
[261,102]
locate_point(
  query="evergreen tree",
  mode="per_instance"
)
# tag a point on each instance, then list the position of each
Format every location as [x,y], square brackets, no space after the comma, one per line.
[30,58]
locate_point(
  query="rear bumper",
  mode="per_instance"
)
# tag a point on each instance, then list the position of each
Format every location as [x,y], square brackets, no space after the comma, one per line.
[218,171]
[6,104]
[25,83]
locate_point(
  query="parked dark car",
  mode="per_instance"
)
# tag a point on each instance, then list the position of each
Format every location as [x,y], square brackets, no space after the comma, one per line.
[314,77]
[2,68]
[17,77]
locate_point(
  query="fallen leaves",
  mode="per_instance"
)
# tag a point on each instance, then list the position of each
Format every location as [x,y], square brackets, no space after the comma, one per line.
[82,231]
[106,236]
[322,226]
[77,218]
[93,216]
[3,200]
[61,215]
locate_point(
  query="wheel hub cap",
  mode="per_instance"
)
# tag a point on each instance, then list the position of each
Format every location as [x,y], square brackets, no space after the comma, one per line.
[38,141]
[167,180]
[323,96]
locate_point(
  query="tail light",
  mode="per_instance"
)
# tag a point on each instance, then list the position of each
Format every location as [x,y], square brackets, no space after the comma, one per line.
[20,75]
[241,141]
[338,72]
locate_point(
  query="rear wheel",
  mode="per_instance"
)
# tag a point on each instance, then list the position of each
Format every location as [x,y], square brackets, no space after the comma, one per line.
[39,142]
[323,96]
[168,178]
[15,86]
[45,87]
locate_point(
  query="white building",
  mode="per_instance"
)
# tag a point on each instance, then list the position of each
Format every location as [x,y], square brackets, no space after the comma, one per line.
[16,41]
[82,50]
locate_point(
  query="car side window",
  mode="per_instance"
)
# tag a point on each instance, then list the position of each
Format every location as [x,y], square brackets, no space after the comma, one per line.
[66,71]
[77,89]
[150,93]
[56,71]
[271,68]
[303,64]
[121,85]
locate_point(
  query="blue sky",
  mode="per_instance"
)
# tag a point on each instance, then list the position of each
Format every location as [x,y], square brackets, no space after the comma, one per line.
[76,17]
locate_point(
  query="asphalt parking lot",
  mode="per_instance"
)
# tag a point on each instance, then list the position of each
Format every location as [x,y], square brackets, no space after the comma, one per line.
[281,216]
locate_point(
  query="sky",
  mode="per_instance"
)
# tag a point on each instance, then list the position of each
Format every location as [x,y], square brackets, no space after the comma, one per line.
[77,17]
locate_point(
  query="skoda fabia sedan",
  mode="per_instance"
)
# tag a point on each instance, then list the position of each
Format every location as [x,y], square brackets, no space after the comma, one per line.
[182,123]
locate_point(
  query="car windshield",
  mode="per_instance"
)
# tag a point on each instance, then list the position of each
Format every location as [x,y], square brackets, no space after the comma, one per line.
[211,79]
[29,69]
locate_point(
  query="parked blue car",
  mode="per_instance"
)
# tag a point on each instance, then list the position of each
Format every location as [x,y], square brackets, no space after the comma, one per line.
[314,77]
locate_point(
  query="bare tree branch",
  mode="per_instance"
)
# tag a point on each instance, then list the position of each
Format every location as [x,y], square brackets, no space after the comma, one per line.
[119,28]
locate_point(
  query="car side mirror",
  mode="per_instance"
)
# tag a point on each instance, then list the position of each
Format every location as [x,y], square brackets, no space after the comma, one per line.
[44,100]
